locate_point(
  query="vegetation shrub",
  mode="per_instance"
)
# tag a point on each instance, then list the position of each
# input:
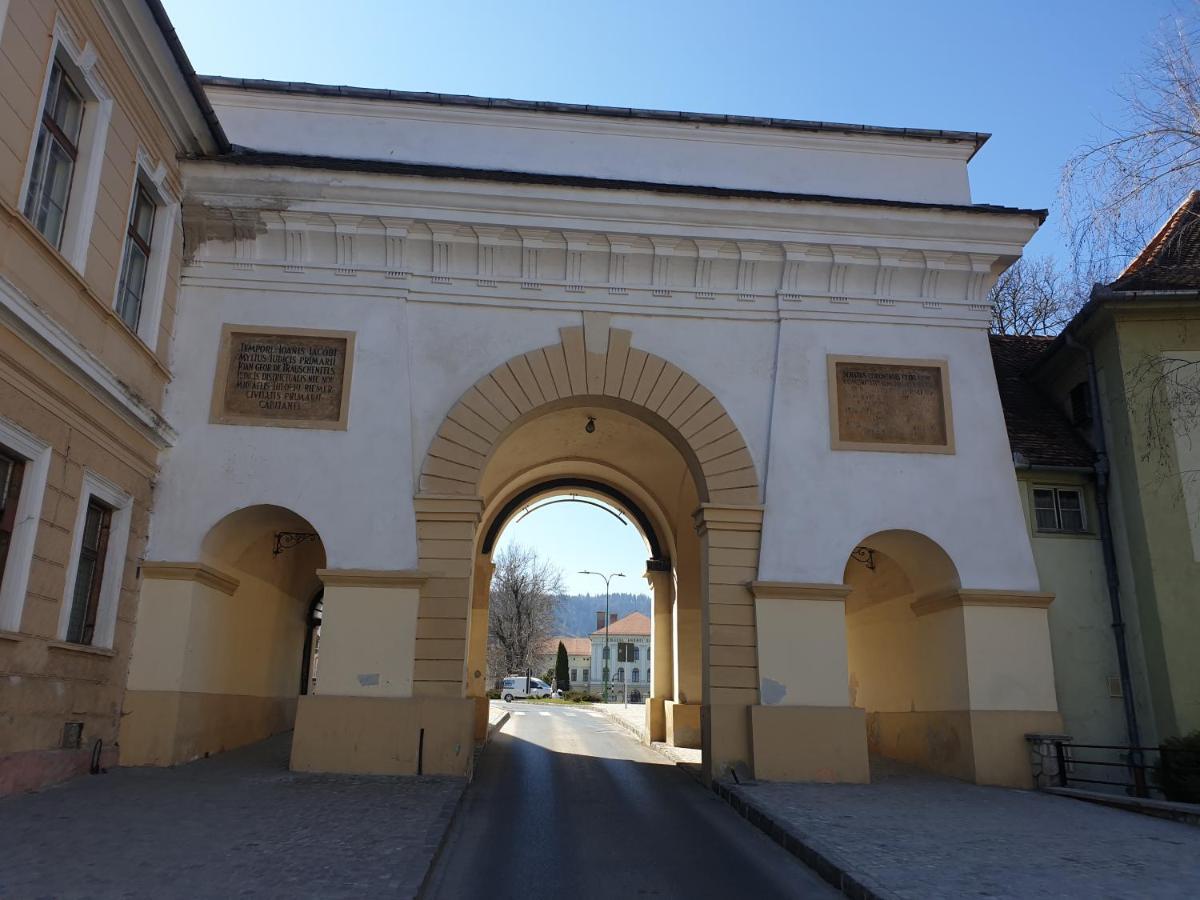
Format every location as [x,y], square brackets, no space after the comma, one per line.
[1178,770]
[581,697]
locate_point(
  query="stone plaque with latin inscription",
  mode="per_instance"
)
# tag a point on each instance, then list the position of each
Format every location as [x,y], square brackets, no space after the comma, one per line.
[882,404]
[283,376]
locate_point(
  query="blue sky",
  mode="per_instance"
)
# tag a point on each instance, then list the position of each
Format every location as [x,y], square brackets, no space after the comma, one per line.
[1040,75]
[575,536]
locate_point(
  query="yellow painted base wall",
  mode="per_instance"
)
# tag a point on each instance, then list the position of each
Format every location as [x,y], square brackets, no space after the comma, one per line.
[656,721]
[163,728]
[382,735]
[682,724]
[810,743]
[983,746]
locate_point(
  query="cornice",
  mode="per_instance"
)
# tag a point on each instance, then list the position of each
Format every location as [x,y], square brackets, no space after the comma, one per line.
[400,578]
[721,517]
[795,590]
[147,49]
[965,597]
[746,268]
[191,571]
[26,318]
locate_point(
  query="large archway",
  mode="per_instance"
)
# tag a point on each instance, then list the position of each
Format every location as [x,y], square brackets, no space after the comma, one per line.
[222,642]
[662,442]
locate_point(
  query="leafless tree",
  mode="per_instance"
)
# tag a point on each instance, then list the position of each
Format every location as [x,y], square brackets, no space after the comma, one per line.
[1119,189]
[524,597]
[1165,391]
[1033,296]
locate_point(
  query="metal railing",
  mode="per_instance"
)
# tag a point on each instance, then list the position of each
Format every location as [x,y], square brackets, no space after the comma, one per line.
[1133,762]
[1060,762]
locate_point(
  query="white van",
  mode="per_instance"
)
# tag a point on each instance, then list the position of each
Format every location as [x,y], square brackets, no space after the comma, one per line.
[514,686]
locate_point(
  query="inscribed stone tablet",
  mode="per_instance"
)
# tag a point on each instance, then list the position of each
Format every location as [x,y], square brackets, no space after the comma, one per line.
[890,405]
[283,377]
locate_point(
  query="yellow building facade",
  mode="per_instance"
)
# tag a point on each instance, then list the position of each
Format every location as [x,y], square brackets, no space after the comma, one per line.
[90,245]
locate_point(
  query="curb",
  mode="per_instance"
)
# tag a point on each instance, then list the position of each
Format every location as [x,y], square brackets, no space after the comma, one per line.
[623,723]
[446,820]
[450,812]
[824,862]
[493,727]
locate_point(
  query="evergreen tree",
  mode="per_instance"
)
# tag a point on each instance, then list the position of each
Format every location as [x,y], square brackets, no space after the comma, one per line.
[562,675]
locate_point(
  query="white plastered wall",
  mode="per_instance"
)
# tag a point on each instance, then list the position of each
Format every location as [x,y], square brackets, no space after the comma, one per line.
[821,503]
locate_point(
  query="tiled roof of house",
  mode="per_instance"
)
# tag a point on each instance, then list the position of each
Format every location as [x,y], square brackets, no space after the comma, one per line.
[634,624]
[576,646]
[1171,261]
[1038,430]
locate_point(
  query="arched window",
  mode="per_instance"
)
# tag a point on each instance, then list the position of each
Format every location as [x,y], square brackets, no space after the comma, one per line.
[605,654]
[620,673]
[633,654]
[635,676]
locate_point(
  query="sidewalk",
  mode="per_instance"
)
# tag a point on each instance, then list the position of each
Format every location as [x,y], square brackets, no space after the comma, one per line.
[238,824]
[914,835]
[633,719]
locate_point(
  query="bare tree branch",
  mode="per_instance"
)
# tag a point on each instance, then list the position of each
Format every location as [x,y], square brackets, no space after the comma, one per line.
[1034,297]
[521,609]
[1117,191]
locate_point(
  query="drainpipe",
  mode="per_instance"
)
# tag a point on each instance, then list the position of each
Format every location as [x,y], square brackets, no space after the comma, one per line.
[1100,445]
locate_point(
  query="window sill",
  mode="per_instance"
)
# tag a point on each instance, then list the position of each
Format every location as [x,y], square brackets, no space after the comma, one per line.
[13,636]
[66,266]
[1056,533]
[81,648]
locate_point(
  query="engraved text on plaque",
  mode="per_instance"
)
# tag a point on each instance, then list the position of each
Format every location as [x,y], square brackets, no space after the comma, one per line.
[881,404]
[283,377]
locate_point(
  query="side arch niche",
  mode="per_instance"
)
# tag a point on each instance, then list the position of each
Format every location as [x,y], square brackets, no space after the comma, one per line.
[221,641]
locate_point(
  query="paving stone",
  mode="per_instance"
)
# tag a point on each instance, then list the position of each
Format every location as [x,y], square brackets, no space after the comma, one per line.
[920,836]
[236,825]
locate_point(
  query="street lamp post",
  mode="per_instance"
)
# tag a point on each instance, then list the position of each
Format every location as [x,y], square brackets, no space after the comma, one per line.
[607,658]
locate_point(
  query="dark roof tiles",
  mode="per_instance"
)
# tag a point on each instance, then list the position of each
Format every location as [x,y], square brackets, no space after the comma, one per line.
[1038,430]
[1171,261]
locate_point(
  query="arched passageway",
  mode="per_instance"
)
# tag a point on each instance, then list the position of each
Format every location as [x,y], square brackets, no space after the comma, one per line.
[222,642]
[660,440]
[944,675]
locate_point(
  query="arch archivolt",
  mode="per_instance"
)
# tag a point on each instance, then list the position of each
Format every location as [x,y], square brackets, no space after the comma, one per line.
[598,364]
[706,498]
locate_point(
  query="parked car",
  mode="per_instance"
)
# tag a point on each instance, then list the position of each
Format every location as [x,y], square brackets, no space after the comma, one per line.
[514,687]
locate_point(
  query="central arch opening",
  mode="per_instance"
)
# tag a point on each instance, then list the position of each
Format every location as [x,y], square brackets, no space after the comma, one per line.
[620,471]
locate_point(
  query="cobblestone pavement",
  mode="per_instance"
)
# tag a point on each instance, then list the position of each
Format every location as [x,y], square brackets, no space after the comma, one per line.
[915,835]
[236,825]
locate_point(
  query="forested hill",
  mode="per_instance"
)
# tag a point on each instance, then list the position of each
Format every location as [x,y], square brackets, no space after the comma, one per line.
[577,612]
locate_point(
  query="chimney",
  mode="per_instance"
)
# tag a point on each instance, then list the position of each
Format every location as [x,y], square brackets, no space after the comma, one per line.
[612,617]
[599,619]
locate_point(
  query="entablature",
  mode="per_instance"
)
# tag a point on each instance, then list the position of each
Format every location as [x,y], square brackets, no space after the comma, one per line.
[622,247]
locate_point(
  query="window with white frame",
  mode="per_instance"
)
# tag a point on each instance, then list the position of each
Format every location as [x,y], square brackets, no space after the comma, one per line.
[54,156]
[1059,509]
[62,180]
[24,466]
[97,563]
[142,278]
[135,261]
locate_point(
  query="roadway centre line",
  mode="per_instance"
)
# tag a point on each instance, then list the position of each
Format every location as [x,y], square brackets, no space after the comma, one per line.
[543,713]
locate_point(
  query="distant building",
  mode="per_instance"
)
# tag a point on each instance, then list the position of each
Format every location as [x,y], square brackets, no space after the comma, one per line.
[1092,473]
[629,647]
[579,659]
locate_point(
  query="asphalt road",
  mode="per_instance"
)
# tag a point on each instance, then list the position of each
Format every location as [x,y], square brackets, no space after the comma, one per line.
[567,805]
